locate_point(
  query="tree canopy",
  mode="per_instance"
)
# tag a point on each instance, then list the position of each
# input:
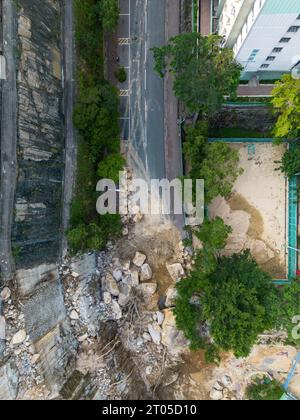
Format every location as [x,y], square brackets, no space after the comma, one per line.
[231,296]
[286,103]
[204,71]
[216,163]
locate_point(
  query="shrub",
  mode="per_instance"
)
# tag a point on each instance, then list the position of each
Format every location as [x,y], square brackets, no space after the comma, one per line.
[264,390]
[121,75]
[111,166]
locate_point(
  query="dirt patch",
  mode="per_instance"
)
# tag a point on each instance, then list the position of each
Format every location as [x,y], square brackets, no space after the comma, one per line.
[256,228]
[256,210]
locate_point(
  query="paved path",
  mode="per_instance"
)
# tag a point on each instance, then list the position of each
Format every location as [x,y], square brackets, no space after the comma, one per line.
[8,141]
[69,100]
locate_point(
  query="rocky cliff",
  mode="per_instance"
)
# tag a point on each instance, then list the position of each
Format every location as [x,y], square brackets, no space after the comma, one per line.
[37,222]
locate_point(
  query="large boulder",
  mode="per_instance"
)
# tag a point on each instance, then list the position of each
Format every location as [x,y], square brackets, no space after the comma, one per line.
[176,271]
[148,289]
[146,272]
[2,328]
[155,333]
[110,285]
[171,296]
[139,259]
[172,338]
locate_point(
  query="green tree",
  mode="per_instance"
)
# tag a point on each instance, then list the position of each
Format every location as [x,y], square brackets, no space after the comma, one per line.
[188,310]
[216,163]
[110,167]
[289,309]
[204,71]
[96,118]
[109,12]
[240,302]
[290,163]
[214,234]
[286,103]
[232,295]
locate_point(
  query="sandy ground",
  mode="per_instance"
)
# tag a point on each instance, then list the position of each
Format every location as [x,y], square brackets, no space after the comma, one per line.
[256,210]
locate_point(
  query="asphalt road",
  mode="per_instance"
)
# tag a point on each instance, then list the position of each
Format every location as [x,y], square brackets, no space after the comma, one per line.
[147,29]
[8,162]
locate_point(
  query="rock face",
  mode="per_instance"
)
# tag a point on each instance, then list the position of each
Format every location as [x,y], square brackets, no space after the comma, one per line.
[9,378]
[37,223]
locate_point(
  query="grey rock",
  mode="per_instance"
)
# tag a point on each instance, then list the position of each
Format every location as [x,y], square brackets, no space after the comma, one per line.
[19,338]
[117,275]
[5,294]
[110,285]
[146,272]
[176,271]
[139,259]
[216,395]
[160,318]
[155,333]
[2,328]
[148,289]
[171,296]
[116,311]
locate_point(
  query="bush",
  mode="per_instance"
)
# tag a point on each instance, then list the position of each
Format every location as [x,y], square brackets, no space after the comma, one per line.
[216,163]
[121,75]
[264,390]
[110,167]
[290,164]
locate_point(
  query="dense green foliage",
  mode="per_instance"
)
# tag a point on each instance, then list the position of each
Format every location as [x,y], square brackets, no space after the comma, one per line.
[96,118]
[216,163]
[264,390]
[240,302]
[233,298]
[289,309]
[204,71]
[232,295]
[290,163]
[110,167]
[286,103]
[121,75]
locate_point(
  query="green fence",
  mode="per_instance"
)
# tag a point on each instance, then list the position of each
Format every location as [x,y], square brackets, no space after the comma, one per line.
[292,228]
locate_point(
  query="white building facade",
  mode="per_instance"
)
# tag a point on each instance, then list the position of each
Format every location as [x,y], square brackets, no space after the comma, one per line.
[264,34]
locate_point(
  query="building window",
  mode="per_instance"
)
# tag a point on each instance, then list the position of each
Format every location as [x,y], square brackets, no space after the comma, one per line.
[298,18]
[294,28]
[264,66]
[285,40]
[271,58]
[277,49]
